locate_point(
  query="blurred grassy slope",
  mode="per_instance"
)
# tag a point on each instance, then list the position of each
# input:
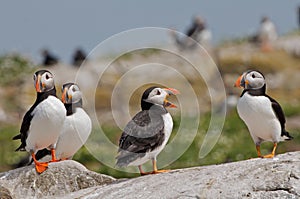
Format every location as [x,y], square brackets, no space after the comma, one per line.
[234,144]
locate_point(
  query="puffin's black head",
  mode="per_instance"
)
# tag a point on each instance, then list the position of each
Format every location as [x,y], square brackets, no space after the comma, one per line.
[157,96]
[71,93]
[43,81]
[251,80]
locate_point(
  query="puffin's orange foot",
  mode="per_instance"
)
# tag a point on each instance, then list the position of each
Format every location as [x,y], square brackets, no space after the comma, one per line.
[41,167]
[160,171]
[271,155]
[154,172]
[145,173]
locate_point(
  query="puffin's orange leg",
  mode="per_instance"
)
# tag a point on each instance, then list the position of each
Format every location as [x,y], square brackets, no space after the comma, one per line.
[141,171]
[258,151]
[155,171]
[39,166]
[271,155]
[53,156]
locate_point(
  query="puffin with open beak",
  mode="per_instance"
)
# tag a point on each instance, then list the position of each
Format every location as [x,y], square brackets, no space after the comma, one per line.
[43,122]
[262,114]
[145,136]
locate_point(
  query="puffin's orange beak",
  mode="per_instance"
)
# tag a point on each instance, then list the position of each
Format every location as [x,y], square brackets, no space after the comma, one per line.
[170,91]
[238,82]
[38,84]
[64,96]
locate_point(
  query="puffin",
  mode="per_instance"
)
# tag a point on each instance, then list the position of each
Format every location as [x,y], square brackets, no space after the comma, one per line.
[77,126]
[43,122]
[262,114]
[145,136]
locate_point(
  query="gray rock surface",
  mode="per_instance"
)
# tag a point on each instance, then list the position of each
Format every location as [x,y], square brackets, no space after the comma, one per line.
[254,178]
[59,179]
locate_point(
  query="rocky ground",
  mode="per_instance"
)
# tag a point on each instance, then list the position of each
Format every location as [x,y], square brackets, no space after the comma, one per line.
[255,178]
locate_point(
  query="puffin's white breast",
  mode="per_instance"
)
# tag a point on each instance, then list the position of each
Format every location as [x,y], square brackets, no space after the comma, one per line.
[46,124]
[74,134]
[258,114]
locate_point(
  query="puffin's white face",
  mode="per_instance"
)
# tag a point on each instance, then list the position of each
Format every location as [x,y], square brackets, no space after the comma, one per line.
[254,80]
[159,96]
[71,94]
[43,81]
[251,80]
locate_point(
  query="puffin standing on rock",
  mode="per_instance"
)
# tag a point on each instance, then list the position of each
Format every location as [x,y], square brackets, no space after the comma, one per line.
[145,136]
[261,113]
[77,126]
[43,122]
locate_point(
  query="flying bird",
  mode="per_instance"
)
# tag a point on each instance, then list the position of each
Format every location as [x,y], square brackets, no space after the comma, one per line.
[77,126]
[145,136]
[262,114]
[43,122]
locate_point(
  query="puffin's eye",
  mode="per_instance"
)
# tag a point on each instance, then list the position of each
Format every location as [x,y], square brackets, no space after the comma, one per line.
[253,76]
[73,88]
[34,77]
[158,92]
[47,76]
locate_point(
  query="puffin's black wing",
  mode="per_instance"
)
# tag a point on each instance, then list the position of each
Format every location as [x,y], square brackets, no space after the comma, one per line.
[280,115]
[142,134]
[278,112]
[24,129]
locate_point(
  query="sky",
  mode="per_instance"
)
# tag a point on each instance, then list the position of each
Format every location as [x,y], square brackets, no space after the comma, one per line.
[61,26]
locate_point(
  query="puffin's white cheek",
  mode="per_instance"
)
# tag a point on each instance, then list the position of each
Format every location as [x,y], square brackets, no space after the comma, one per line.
[161,99]
[47,82]
[76,96]
[156,100]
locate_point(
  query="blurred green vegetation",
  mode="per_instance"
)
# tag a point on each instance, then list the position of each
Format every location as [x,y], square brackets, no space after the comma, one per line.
[145,52]
[265,62]
[234,144]
[13,69]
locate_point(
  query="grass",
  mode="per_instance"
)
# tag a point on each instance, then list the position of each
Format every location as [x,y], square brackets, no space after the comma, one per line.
[9,157]
[146,52]
[234,144]
[265,62]
[13,68]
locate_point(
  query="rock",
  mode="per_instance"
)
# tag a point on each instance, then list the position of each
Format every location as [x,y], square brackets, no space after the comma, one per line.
[254,178]
[58,180]
[4,193]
